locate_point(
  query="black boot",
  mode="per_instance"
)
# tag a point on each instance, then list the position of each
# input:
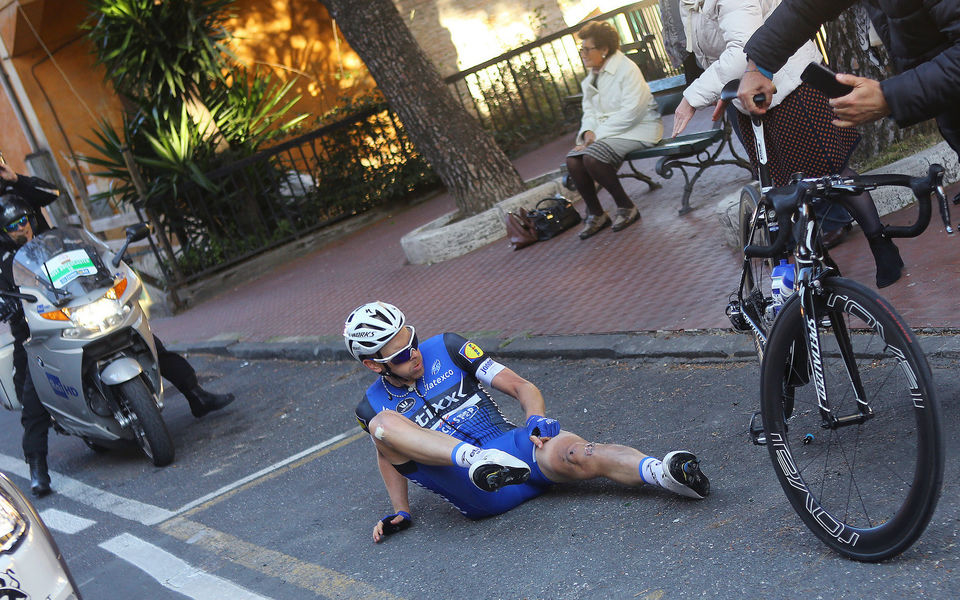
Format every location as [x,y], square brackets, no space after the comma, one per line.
[887,257]
[39,476]
[201,401]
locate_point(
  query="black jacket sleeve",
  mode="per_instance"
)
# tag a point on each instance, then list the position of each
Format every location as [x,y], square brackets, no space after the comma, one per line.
[789,26]
[35,190]
[931,84]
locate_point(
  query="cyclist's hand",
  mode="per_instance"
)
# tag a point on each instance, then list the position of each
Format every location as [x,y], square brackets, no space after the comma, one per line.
[682,116]
[752,83]
[864,104]
[541,429]
[391,524]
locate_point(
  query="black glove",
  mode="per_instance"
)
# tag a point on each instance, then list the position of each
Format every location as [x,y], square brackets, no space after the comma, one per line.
[391,528]
[8,308]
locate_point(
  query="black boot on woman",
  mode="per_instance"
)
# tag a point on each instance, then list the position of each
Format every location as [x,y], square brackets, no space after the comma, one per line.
[887,257]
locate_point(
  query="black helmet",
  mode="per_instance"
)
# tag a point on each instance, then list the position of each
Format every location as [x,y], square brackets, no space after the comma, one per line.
[12,207]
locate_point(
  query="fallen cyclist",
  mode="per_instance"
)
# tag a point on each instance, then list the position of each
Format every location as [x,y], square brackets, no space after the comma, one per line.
[444,431]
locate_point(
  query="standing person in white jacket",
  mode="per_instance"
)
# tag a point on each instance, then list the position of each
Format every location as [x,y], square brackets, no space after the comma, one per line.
[799,133]
[619,116]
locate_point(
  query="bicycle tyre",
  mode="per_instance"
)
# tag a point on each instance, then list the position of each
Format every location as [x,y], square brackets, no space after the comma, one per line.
[868,491]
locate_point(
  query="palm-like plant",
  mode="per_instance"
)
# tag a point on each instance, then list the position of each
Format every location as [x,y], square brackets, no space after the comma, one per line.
[160,50]
[189,106]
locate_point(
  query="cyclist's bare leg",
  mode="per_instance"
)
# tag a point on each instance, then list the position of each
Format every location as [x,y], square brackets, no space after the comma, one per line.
[400,440]
[569,457]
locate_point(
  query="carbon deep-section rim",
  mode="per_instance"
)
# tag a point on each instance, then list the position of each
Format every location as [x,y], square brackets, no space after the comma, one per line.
[866,490]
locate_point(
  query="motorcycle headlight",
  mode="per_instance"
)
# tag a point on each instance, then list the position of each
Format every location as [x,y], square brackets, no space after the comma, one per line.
[12,525]
[94,318]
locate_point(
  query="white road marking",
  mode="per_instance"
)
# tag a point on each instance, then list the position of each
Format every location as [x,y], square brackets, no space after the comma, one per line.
[65,522]
[131,510]
[140,512]
[173,573]
[264,471]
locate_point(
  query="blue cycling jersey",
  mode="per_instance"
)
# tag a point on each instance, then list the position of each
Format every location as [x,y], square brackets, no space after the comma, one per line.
[450,398]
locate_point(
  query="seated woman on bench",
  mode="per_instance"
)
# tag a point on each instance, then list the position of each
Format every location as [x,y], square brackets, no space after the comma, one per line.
[800,135]
[619,116]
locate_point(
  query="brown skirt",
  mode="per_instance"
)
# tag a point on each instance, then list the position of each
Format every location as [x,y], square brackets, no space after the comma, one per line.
[800,137]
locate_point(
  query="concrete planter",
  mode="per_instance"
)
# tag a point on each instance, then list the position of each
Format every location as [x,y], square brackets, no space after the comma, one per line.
[441,240]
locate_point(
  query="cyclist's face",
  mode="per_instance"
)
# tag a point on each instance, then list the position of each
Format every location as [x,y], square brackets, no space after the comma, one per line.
[411,369]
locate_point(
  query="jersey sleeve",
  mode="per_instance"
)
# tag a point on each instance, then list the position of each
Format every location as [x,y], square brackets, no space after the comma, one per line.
[365,413]
[471,358]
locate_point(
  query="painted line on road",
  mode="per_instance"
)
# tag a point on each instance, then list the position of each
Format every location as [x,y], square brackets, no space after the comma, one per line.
[126,508]
[64,521]
[307,576]
[273,470]
[174,573]
[148,514]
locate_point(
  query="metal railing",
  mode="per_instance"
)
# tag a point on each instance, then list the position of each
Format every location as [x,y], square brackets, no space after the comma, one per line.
[519,95]
[288,191]
[297,187]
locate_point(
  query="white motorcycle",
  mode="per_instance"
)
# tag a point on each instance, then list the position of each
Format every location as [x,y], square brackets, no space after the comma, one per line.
[91,353]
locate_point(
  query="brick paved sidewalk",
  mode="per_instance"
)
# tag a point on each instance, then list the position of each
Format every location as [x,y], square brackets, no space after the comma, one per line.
[664,273]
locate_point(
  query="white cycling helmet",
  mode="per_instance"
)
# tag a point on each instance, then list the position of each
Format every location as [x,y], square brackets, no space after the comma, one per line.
[370,327]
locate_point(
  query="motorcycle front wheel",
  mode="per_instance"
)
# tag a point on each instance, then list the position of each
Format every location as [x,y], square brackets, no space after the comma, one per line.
[148,426]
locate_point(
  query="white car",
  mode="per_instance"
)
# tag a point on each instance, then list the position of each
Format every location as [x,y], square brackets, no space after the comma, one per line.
[31,567]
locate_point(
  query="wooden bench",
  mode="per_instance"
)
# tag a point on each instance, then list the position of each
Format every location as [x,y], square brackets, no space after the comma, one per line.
[703,149]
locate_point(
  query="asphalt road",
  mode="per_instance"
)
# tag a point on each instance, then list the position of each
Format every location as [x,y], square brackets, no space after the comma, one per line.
[275,497]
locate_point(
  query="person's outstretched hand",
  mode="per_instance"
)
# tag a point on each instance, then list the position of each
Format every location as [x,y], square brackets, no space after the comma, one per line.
[682,116]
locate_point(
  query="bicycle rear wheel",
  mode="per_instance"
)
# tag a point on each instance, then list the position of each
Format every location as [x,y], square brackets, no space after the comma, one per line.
[866,490]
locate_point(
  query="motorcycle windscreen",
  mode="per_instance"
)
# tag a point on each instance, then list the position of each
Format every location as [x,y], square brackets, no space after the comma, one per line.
[65,262]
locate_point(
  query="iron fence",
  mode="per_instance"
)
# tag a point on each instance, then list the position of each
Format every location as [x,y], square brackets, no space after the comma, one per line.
[288,191]
[332,173]
[519,95]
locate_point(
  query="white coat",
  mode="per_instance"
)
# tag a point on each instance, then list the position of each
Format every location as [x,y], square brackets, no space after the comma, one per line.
[717,31]
[620,105]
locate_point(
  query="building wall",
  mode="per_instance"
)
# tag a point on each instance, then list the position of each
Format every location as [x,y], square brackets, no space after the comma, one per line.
[65,95]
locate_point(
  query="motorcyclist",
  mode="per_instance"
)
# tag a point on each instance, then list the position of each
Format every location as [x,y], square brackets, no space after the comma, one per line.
[20,221]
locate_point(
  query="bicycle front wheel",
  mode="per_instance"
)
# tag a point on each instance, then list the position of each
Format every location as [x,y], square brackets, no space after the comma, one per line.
[867,489]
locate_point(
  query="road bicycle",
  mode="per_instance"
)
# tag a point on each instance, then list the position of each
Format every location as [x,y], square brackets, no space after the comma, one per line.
[849,412]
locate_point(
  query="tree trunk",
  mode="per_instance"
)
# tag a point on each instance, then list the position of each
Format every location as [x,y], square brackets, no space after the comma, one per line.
[849,51]
[465,157]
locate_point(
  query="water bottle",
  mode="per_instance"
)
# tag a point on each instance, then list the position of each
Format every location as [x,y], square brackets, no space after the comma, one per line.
[782,284]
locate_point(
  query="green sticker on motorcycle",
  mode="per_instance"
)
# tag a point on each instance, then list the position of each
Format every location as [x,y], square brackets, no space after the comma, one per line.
[66,267]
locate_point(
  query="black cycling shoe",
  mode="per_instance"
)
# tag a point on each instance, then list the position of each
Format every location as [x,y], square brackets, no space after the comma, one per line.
[494,469]
[682,475]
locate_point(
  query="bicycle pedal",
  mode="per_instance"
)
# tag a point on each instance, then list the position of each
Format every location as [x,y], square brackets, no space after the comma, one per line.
[757,435]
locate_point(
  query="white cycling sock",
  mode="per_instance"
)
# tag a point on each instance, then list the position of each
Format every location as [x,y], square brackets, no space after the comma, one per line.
[464,454]
[651,471]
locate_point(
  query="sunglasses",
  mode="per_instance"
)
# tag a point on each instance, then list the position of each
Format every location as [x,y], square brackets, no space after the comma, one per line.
[404,354]
[15,225]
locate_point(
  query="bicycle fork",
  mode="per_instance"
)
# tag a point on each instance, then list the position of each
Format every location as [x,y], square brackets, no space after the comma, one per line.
[808,290]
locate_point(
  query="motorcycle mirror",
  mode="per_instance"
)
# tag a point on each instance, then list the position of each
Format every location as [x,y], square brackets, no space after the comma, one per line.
[135,233]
